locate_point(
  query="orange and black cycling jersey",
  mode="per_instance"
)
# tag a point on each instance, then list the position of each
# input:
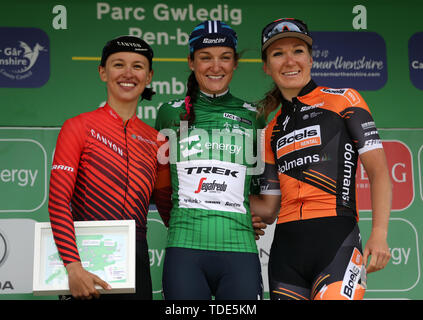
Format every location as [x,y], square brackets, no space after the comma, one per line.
[105,169]
[311,150]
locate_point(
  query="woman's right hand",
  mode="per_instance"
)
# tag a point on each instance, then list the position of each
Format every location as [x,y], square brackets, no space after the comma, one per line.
[82,283]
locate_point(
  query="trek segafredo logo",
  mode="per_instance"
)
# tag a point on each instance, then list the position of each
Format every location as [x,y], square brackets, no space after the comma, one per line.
[211,186]
[299,139]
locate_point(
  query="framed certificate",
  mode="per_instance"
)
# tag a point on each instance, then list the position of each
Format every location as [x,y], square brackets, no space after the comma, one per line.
[106,248]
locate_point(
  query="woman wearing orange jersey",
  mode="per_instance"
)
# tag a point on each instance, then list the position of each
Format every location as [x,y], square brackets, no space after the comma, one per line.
[311,148]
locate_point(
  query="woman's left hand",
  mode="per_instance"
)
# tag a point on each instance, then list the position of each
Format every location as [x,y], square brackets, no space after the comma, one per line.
[376,247]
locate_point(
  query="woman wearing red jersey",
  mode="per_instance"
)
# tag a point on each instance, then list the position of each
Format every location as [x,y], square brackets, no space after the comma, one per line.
[311,150]
[112,168]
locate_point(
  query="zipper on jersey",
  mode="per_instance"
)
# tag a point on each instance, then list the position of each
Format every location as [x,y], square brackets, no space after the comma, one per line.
[294,119]
[301,210]
[127,167]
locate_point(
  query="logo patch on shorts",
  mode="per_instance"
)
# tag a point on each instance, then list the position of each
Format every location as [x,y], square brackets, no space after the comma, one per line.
[352,275]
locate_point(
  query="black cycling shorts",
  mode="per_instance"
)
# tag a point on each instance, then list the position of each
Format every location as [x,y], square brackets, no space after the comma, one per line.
[317,259]
[191,274]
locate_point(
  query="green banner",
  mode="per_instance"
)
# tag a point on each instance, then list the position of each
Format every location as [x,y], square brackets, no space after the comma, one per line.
[49,54]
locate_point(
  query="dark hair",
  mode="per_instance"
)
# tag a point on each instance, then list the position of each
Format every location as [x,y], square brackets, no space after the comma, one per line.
[130,44]
[192,93]
[190,99]
[147,94]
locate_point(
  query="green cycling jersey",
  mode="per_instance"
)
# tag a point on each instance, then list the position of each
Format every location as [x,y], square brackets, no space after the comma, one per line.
[212,165]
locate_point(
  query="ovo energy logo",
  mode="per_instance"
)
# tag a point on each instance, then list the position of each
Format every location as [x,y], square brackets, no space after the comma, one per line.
[24,57]
[23,179]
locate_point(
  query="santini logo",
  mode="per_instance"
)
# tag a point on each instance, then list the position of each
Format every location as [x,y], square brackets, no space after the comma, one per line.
[214,41]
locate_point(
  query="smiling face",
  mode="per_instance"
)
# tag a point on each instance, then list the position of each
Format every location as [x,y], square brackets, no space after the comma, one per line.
[213,68]
[126,75]
[289,62]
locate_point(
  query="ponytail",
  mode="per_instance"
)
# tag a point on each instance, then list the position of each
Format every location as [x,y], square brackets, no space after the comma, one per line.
[190,99]
[147,94]
[270,102]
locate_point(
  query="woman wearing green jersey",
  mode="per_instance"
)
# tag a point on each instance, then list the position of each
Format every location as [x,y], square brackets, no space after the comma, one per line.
[211,247]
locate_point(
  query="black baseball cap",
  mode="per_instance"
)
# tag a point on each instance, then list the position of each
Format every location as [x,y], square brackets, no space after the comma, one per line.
[127,44]
[285,28]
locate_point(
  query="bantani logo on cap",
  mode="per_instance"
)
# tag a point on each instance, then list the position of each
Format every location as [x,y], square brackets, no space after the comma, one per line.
[214,41]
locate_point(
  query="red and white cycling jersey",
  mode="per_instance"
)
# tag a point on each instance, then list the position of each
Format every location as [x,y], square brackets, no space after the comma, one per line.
[105,169]
[311,150]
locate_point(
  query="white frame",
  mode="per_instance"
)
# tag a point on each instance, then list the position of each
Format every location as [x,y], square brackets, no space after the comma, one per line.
[43,229]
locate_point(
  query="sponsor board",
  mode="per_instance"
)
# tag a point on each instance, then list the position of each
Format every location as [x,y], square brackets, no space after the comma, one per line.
[400,166]
[24,57]
[341,61]
[415,56]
